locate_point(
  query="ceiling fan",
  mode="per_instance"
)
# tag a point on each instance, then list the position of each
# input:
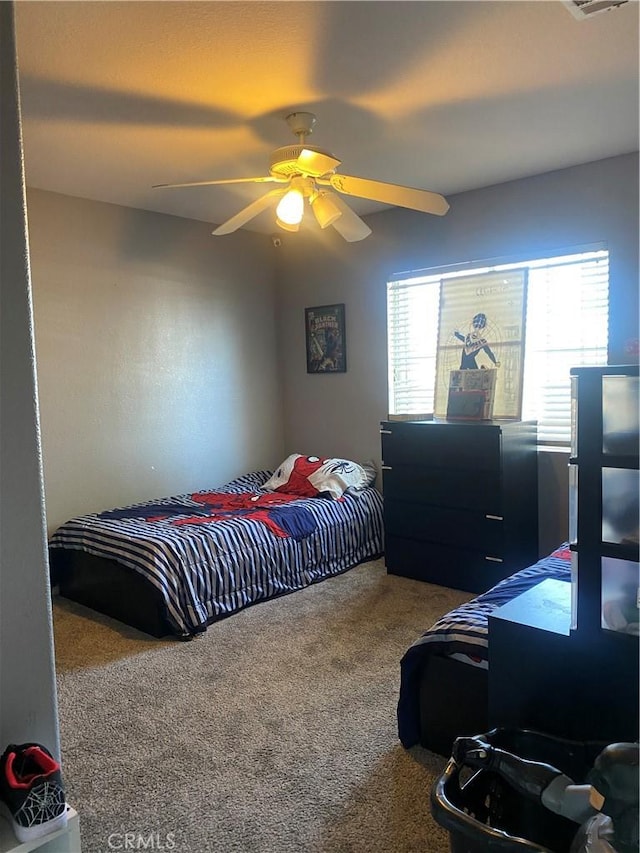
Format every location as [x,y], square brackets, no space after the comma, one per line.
[307,172]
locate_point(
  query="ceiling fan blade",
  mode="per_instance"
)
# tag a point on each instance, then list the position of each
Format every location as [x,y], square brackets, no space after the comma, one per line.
[260,180]
[415,199]
[349,225]
[316,163]
[249,212]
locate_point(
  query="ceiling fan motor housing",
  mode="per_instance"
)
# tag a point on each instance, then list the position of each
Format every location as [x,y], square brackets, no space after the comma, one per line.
[284,161]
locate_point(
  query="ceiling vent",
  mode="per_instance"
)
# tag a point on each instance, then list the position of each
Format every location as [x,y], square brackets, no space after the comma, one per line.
[582,9]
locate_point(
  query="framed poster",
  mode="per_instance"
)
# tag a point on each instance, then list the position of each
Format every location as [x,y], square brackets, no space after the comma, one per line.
[481,325]
[326,350]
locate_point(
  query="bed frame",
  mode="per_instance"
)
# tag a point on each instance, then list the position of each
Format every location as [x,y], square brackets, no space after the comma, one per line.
[110,588]
[453,702]
[118,591]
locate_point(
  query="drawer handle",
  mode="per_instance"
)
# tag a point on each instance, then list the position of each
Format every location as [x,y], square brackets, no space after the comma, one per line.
[495,517]
[386,432]
[494,559]
[386,467]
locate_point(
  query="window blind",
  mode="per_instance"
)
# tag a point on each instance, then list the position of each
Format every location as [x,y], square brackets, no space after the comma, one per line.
[412,333]
[566,326]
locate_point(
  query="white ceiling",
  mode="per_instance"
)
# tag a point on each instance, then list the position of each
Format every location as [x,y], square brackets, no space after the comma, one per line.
[445,96]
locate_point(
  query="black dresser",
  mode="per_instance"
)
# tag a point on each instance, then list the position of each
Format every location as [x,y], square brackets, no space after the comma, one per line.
[460,500]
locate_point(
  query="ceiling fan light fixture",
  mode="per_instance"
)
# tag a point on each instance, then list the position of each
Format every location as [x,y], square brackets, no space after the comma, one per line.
[325,210]
[286,226]
[290,209]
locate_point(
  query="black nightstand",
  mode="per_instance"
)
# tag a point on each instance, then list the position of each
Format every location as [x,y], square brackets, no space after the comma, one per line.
[543,676]
[529,661]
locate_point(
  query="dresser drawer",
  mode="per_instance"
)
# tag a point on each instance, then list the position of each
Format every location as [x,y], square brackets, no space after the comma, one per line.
[444,525]
[443,487]
[457,568]
[470,447]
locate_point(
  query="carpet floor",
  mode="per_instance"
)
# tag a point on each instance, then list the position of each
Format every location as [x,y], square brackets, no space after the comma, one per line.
[274,732]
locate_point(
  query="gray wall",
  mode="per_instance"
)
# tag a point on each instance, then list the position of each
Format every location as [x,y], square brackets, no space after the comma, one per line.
[156,348]
[28,708]
[339,414]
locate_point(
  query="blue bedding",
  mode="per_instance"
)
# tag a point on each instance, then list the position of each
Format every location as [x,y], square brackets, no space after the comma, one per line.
[209,556]
[464,631]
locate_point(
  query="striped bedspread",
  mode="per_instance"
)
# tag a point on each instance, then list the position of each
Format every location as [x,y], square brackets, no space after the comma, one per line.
[209,568]
[464,631]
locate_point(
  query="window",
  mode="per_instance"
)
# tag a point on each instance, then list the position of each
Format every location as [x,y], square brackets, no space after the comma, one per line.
[567,307]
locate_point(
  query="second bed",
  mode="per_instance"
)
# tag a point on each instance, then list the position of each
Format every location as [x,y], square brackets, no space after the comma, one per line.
[444,683]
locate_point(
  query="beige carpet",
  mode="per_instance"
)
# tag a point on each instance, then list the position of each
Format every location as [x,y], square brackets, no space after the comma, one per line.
[275,732]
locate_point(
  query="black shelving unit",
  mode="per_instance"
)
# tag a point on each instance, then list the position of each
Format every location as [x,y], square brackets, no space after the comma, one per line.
[604,504]
[563,657]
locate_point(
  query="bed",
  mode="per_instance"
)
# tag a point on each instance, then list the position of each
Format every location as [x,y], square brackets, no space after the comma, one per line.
[178,564]
[443,674]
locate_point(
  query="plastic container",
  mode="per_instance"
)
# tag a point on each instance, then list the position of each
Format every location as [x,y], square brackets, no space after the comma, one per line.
[482,812]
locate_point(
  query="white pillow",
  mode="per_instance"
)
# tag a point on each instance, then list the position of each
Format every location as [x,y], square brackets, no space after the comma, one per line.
[314,476]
